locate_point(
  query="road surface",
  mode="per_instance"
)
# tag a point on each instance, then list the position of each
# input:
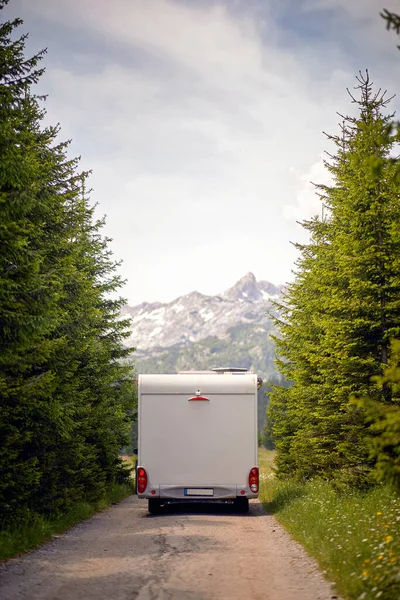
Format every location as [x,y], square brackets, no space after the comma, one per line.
[192,552]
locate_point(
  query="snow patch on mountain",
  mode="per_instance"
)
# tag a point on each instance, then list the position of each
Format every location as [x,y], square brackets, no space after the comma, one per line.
[194,317]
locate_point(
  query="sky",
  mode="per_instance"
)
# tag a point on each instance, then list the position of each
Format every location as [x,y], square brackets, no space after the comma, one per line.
[203,123]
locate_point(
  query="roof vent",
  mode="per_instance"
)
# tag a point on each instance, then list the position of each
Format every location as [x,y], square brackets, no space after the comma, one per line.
[230,370]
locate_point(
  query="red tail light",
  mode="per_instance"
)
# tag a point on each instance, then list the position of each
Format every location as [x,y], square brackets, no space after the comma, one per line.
[253,480]
[141,480]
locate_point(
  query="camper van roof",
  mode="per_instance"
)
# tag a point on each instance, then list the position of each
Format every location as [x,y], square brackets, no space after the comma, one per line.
[230,370]
[217,370]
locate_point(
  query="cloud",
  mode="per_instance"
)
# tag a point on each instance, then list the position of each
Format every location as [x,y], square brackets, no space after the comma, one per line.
[192,37]
[362,21]
[308,202]
[203,126]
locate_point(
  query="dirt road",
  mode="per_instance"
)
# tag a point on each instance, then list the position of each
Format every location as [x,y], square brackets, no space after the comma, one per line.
[195,552]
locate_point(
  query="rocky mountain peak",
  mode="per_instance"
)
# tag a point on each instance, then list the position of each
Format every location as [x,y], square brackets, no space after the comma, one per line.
[245,289]
[194,317]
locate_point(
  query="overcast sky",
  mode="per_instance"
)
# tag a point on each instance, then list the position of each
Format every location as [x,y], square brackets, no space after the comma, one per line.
[203,123]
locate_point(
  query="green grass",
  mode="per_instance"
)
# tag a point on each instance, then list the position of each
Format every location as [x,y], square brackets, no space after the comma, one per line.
[354,535]
[265,462]
[24,537]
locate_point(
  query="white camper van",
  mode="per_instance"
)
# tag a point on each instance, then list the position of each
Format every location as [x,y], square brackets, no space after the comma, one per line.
[198,437]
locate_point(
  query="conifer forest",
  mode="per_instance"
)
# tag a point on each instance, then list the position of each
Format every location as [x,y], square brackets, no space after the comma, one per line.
[66,394]
[340,318]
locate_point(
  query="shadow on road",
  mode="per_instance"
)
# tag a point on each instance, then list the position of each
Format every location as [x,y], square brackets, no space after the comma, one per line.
[205,508]
[283,499]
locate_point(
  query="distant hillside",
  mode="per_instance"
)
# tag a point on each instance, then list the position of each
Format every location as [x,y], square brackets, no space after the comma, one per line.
[198,332]
[202,332]
[242,345]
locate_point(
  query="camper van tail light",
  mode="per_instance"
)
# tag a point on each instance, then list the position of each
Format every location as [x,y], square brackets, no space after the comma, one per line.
[199,399]
[253,480]
[141,480]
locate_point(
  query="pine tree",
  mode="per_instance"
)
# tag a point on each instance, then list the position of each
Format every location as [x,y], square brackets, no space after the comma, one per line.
[65,392]
[28,292]
[384,422]
[392,20]
[343,308]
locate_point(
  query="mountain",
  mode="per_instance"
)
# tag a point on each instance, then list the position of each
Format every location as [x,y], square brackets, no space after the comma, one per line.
[201,332]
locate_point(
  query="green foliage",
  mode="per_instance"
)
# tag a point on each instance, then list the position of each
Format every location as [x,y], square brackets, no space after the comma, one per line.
[352,534]
[392,20]
[343,309]
[66,394]
[384,421]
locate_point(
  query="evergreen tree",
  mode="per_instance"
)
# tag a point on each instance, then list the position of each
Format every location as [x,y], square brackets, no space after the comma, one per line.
[392,20]
[65,393]
[344,306]
[384,422]
[27,291]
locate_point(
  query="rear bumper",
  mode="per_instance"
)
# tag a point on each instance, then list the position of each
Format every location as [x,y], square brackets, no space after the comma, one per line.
[219,492]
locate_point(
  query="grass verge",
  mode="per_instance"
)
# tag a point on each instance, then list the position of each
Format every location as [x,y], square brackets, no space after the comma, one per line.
[354,535]
[21,538]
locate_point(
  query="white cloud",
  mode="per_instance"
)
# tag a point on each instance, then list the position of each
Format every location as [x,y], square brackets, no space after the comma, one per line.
[362,18]
[192,122]
[190,36]
[308,201]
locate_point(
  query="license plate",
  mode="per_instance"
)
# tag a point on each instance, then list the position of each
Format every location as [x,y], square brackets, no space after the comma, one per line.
[199,492]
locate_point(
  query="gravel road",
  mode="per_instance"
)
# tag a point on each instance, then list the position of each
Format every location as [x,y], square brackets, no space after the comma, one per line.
[194,552]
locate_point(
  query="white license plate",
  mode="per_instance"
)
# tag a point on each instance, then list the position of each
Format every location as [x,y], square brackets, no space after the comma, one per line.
[199,492]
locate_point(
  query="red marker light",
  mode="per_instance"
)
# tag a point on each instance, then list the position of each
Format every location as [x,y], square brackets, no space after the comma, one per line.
[254,480]
[141,480]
